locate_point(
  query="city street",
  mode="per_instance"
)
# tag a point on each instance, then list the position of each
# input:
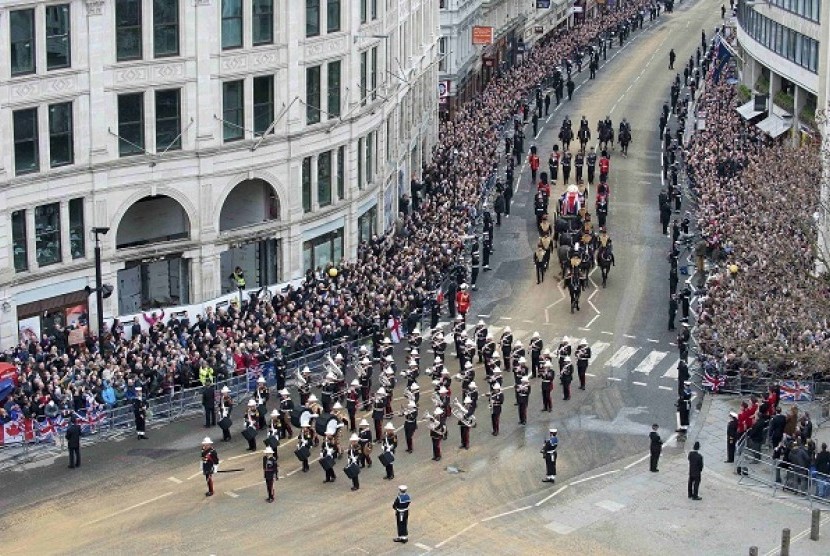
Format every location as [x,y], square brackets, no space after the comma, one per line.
[132,496]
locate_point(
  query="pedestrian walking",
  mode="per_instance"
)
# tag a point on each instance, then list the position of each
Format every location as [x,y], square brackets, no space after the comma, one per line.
[695,470]
[401,507]
[672,57]
[655,448]
[73,442]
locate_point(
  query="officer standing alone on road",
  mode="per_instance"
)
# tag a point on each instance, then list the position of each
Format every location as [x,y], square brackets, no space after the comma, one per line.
[269,469]
[140,413]
[210,463]
[73,442]
[549,451]
[209,403]
[655,448]
[695,470]
[401,507]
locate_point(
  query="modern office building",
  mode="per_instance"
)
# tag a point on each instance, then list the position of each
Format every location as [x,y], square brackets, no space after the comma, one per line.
[272,135]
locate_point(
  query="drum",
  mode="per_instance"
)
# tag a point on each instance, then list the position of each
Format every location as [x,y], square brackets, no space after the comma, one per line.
[273,442]
[249,433]
[321,424]
[387,458]
[295,415]
[352,470]
[225,423]
[327,462]
[302,453]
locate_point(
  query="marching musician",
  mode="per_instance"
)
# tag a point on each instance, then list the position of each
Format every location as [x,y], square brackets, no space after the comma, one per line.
[547,375]
[549,452]
[352,399]
[225,408]
[365,436]
[327,391]
[251,424]
[286,408]
[459,335]
[437,430]
[304,441]
[535,354]
[269,470]
[468,354]
[565,378]
[414,393]
[481,339]
[364,375]
[389,445]
[487,351]
[328,453]
[439,344]
[496,378]
[563,351]
[472,393]
[410,424]
[415,340]
[522,397]
[340,383]
[140,407]
[465,422]
[517,353]
[520,370]
[411,373]
[415,355]
[210,463]
[379,411]
[444,401]
[437,368]
[386,349]
[496,401]
[337,412]
[353,454]
[304,385]
[506,342]
[583,357]
[445,380]
[389,384]
[261,395]
[274,428]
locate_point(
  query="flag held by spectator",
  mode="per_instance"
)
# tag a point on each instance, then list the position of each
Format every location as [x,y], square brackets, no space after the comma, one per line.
[795,391]
[17,431]
[713,382]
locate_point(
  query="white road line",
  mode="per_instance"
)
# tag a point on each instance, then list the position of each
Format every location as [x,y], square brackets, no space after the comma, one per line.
[672,372]
[629,336]
[622,355]
[442,543]
[134,506]
[669,388]
[597,348]
[549,496]
[595,477]
[639,383]
[590,322]
[482,317]
[590,374]
[547,317]
[243,455]
[528,321]
[652,359]
[594,307]
[506,513]
[422,546]
[232,494]
[633,463]
[194,475]
[175,480]
[652,341]
[608,333]
[506,318]
[615,379]
[596,291]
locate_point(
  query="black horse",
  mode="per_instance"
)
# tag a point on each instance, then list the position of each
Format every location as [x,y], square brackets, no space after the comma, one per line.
[625,139]
[584,135]
[606,135]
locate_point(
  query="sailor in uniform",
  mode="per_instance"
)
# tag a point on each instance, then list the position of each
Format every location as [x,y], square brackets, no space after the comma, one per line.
[549,451]
[401,507]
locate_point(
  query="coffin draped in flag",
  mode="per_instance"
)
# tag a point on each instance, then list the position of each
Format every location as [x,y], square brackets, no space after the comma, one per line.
[571,201]
[795,391]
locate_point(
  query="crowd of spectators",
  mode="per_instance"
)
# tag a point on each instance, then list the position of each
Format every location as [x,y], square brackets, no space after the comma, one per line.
[765,312]
[394,274]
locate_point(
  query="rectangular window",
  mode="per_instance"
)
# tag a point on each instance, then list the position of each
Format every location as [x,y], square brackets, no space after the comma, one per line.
[364,76]
[22,41]
[324,179]
[442,54]
[231,24]
[168,120]
[165,28]
[263,21]
[61,148]
[360,163]
[131,124]
[374,9]
[312,18]
[321,250]
[341,173]
[128,29]
[373,82]
[369,158]
[77,241]
[333,16]
[233,110]
[306,184]
[367,224]
[333,89]
[312,95]
[19,245]
[48,234]
[363,10]
[26,152]
[263,103]
[58,43]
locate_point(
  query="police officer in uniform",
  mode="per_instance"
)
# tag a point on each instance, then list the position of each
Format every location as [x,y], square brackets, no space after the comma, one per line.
[684,407]
[210,463]
[140,406]
[731,437]
[401,507]
[549,451]
[269,469]
[655,448]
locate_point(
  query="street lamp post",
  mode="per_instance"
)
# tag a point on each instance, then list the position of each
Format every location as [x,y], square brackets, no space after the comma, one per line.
[99,286]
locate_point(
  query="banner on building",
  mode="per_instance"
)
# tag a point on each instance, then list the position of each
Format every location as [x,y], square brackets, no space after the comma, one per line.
[444,91]
[482,35]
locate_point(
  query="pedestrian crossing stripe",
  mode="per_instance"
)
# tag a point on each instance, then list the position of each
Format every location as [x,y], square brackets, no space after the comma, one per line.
[621,356]
[672,372]
[652,359]
[597,348]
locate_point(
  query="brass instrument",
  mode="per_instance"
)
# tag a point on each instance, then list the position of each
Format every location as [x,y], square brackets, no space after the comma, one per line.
[384,381]
[332,367]
[460,413]
[436,399]
[434,424]
[410,397]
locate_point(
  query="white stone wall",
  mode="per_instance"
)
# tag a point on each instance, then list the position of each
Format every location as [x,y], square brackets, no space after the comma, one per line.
[205,171]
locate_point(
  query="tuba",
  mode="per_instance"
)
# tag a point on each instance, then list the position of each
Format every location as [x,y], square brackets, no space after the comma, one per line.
[460,413]
[434,424]
[333,368]
[384,381]
[436,399]
[301,381]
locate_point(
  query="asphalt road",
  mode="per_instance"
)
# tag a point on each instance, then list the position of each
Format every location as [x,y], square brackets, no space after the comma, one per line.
[147,496]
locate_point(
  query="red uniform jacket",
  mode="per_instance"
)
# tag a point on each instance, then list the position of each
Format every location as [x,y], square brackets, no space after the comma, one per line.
[462,301]
[533,160]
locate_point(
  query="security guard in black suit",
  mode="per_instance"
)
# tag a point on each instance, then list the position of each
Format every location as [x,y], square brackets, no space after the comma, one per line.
[73,442]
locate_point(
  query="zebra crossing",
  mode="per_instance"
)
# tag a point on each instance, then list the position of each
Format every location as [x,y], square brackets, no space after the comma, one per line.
[627,359]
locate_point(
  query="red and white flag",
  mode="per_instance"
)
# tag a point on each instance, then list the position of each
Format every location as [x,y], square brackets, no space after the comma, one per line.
[15,432]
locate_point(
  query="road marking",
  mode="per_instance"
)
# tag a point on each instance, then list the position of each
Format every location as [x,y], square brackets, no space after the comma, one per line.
[598,347]
[615,379]
[590,374]
[652,359]
[549,496]
[672,372]
[590,322]
[669,388]
[591,478]
[467,528]
[633,463]
[422,546]
[232,494]
[591,303]
[639,383]
[506,318]
[547,317]
[194,475]
[506,513]
[596,291]
[134,506]
[528,321]
[481,317]
[621,356]
[652,341]
[629,336]
[243,456]
[608,333]
[175,480]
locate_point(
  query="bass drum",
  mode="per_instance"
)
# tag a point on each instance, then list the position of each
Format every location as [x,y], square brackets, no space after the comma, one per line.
[296,413]
[321,425]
